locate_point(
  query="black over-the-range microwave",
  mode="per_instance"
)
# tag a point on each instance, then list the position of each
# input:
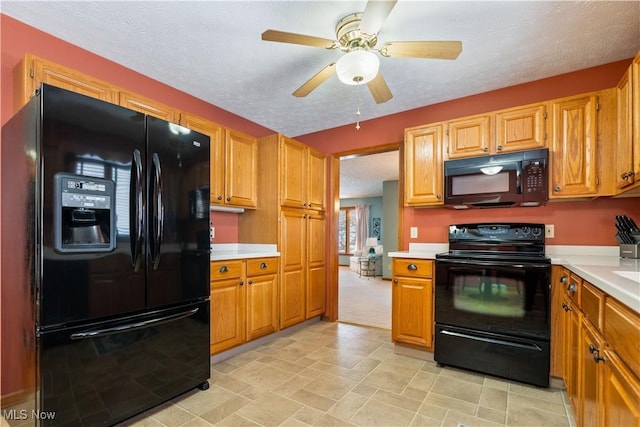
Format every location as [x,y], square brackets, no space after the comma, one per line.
[501,180]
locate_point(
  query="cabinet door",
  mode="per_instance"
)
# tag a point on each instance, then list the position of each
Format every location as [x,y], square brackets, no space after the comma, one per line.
[294,173]
[423,166]
[521,128]
[262,305]
[625,175]
[468,136]
[574,146]
[241,169]
[147,106]
[621,393]
[315,301]
[216,135]
[571,363]
[412,308]
[227,314]
[591,346]
[293,267]
[317,178]
[635,89]
[559,279]
[32,71]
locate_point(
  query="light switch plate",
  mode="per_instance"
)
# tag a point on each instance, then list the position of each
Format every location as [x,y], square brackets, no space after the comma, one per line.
[549,231]
[414,232]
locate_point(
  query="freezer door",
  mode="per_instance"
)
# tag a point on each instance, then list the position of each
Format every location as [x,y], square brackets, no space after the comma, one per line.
[103,373]
[92,254]
[178,214]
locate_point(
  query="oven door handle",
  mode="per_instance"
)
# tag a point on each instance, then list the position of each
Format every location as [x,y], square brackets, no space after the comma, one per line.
[493,263]
[533,347]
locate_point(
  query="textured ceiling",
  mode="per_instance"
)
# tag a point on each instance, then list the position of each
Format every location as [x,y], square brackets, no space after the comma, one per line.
[213,51]
[363,176]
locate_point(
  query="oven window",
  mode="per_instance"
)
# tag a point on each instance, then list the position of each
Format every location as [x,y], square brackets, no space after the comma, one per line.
[480,184]
[500,299]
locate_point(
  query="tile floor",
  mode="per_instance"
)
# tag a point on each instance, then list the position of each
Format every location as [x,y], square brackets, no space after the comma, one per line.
[336,374]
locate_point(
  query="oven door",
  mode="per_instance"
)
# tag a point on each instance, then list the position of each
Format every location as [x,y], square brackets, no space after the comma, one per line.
[509,298]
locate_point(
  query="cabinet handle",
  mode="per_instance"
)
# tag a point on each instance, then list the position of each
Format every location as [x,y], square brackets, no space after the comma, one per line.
[564,279]
[223,269]
[219,197]
[228,199]
[593,349]
[395,281]
[485,149]
[263,265]
[499,148]
[251,282]
[573,286]
[597,358]
[412,267]
[566,307]
[556,189]
[438,196]
[241,283]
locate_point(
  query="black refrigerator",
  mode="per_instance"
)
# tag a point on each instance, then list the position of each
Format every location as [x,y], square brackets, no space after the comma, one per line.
[105,261]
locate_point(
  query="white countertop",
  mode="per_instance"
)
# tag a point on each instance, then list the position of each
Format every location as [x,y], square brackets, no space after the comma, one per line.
[225,251]
[599,265]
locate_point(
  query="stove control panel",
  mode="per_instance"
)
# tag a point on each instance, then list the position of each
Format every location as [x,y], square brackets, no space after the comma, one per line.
[497,231]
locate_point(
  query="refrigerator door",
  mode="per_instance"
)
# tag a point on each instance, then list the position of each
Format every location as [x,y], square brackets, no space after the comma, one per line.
[103,373]
[178,214]
[92,154]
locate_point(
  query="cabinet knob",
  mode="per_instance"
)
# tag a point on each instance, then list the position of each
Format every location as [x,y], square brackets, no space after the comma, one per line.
[438,196]
[499,148]
[228,199]
[593,348]
[241,283]
[564,279]
[263,265]
[395,281]
[573,286]
[597,358]
[219,197]
[251,282]
[412,267]
[556,189]
[223,269]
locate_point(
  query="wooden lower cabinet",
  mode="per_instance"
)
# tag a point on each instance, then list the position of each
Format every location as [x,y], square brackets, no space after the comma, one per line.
[599,353]
[412,302]
[244,301]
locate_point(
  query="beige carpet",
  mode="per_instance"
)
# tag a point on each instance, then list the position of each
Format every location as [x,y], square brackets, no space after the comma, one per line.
[364,301]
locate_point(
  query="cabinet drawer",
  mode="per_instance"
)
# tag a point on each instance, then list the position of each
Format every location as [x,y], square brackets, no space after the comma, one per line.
[573,288]
[592,303]
[622,332]
[260,266]
[412,267]
[226,269]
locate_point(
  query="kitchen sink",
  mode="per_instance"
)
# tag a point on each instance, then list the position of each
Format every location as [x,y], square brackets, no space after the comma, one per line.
[631,275]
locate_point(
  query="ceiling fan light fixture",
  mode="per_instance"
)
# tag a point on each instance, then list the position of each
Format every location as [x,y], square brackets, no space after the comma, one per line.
[357,67]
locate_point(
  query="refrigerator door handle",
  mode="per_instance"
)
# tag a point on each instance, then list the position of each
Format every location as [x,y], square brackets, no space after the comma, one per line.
[158,212]
[136,210]
[95,333]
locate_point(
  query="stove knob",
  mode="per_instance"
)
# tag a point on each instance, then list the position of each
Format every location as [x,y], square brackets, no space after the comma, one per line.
[525,230]
[536,231]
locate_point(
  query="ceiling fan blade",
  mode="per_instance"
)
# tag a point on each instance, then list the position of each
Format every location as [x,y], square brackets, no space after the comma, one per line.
[374,15]
[379,89]
[316,80]
[294,38]
[423,49]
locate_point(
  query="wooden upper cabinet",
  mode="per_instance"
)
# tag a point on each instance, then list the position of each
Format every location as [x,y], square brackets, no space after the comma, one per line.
[423,184]
[303,177]
[241,169]
[521,128]
[234,163]
[574,147]
[148,106]
[32,71]
[627,170]
[469,136]
[635,89]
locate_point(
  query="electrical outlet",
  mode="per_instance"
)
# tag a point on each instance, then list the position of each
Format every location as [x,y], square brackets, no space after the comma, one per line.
[549,231]
[414,232]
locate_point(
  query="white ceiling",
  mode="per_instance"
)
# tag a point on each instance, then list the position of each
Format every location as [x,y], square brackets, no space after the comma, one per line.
[213,51]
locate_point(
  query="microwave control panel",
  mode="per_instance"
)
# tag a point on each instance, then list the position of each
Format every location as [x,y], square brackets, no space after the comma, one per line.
[533,177]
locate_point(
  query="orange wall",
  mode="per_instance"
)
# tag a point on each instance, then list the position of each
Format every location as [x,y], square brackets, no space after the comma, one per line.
[576,223]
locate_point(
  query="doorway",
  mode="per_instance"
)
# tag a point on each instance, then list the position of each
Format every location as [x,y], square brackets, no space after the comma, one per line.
[370,181]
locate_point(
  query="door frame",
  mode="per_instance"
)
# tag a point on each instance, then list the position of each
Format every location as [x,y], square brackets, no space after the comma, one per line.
[331,312]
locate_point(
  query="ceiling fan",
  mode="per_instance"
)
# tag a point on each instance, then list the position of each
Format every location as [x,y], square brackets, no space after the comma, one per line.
[357,35]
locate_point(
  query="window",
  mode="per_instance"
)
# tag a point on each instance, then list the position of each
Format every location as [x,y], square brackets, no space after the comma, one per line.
[347,231]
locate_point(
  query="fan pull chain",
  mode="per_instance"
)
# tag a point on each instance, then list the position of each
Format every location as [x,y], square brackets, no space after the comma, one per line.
[358,106]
